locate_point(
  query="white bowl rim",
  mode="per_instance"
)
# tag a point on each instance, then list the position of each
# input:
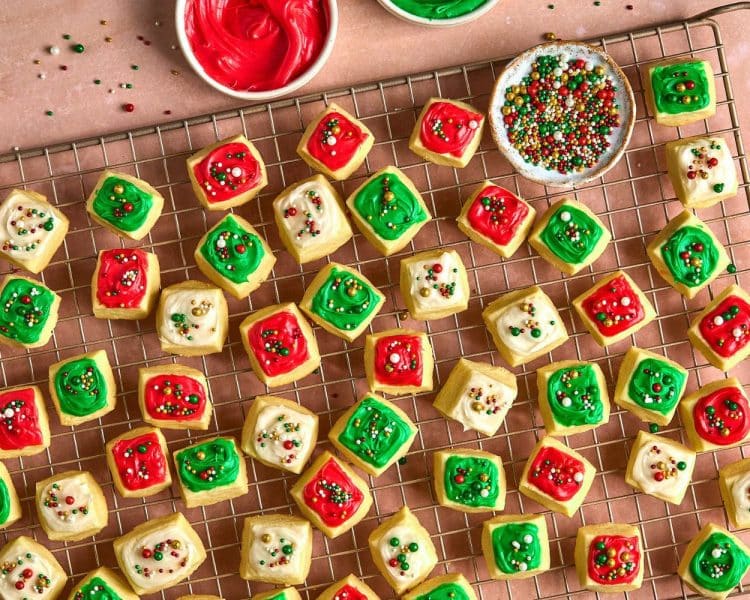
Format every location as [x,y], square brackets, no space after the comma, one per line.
[511,154]
[295,84]
[437,23]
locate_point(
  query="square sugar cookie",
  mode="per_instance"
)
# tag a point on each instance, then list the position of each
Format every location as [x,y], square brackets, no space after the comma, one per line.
[402,550]
[280,433]
[609,557]
[46,580]
[28,312]
[734,485]
[234,256]
[71,506]
[348,588]
[714,562]
[280,344]
[680,91]
[572,397]
[210,471]
[342,301]
[687,254]
[469,480]
[82,387]
[388,210]
[434,284]
[721,331]
[126,205]
[335,143]
[453,586]
[701,170]
[100,583]
[173,396]
[556,476]
[570,236]
[24,428]
[524,324]
[311,219]
[331,495]
[226,174]
[716,416]
[373,434]
[31,230]
[447,132]
[137,461]
[192,319]
[614,308]
[477,395]
[125,284]
[496,218]
[159,553]
[649,385]
[515,546]
[288,593]
[398,362]
[10,505]
[276,549]
[660,467]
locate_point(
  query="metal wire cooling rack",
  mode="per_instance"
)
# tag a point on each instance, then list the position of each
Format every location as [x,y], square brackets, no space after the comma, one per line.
[635,199]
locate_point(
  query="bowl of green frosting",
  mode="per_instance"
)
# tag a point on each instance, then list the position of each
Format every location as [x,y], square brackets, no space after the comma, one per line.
[438,13]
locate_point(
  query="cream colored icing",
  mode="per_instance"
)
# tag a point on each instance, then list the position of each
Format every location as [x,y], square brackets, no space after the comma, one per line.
[545,319]
[654,458]
[13,221]
[327,215]
[493,396]
[270,435]
[423,281]
[73,509]
[199,308]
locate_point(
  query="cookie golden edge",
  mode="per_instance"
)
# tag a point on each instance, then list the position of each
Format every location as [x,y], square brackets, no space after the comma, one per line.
[114,472]
[428,363]
[440,458]
[585,536]
[145,374]
[489,553]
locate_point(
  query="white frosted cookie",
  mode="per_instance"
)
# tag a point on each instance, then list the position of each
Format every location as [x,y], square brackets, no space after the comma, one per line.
[734,485]
[31,230]
[192,319]
[280,433]
[23,556]
[434,284]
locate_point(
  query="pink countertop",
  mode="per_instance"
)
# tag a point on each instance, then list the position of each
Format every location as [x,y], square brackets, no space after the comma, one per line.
[371,45]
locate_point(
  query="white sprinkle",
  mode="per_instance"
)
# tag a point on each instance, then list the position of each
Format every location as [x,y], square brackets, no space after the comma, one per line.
[522,566]
[527,539]
[236,172]
[515,544]
[578,477]
[589,66]
[331,141]
[8,413]
[394,358]
[42,76]
[54,50]
[716,552]
[558,135]
[718,320]
[565,216]
[484,493]
[625,301]
[221,243]
[566,402]
[473,124]
[737,332]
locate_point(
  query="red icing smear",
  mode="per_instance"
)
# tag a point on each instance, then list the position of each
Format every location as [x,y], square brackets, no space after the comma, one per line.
[175,398]
[726,329]
[122,278]
[499,217]
[234,165]
[448,129]
[349,593]
[332,495]
[278,343]
[722,417]
[563,485]
[255,45]
[398,360]
[605,307]
[623,559]
[19,427]
[139,470]
[348,139]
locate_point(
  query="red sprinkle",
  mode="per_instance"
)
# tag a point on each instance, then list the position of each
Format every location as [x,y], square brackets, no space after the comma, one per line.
[129,107]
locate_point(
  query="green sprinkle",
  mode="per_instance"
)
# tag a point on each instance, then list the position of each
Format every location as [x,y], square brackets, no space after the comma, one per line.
[731,268]
[653,427]
[134,67]
[402,460]
[49,113]
[66,36]
[97,81]
[79,48]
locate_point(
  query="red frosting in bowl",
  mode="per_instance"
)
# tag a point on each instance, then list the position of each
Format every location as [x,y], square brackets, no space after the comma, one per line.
[256,45]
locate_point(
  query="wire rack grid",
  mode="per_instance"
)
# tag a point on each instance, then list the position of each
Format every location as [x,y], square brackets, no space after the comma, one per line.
[635,199]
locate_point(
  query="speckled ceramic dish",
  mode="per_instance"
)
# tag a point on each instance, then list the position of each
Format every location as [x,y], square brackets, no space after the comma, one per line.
[553,97]
[435,11]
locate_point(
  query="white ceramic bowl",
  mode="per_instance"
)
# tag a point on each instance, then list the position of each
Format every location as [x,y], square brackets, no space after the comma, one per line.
[407,16]
[519,68]
[257,96]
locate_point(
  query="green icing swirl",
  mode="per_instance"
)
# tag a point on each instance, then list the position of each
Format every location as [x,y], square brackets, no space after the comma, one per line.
[719,564]
[24,310]
[445,591]
[4,502]
[656,385]
[208,465]
[231,251]
[574,396]
[126,207]
[439,9]
[374,432]
[516,547]
[671,86]
[345,300]
[389,206]
[80,387]
[96,589]
[571,234]
[690,255]
[471,481]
